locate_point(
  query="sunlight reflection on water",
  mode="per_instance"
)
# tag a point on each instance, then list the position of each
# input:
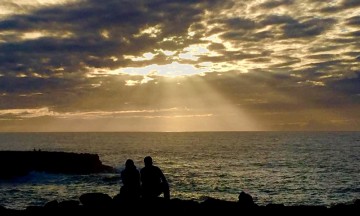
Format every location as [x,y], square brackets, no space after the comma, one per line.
[275,167]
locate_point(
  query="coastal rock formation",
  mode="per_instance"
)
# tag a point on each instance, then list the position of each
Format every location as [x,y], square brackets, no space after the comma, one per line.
[20,163]
[93,200]
[102,204]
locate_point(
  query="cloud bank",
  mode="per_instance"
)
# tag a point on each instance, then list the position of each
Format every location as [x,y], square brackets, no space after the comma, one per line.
[285,70]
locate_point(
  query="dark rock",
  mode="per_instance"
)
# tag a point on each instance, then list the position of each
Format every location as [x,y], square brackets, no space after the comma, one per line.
[357,203]
[117,199]
[121,200]
[154,201]
[275,206]
[339,206]
[246,200]
[95,200]
[69,204]
[211,205]
[307,208]
[52,204]
[161,206]
[20,163]
[344,209]
[183,206]
[34,210]
[5,212]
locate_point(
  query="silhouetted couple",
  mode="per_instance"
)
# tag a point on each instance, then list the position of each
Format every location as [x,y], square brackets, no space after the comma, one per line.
[153,181]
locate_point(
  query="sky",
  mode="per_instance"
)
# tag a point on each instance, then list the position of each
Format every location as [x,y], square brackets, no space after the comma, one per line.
[179,65]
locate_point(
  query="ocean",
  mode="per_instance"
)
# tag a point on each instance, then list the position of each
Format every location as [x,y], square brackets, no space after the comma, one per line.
[293,168]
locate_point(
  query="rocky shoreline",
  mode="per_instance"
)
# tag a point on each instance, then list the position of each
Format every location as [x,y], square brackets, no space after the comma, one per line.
[103,204]
[20,163]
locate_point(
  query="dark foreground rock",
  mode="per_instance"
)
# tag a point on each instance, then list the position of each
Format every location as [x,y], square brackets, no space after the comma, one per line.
[102,204]
[20,163]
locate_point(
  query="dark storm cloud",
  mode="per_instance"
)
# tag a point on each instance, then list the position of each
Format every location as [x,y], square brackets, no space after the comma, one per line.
[216,46]
[84,36]
[355,34]
[295,61]
[329,47]
[245,36]
[260,60]
[347,41]
[240,23]
[248,30]
[354,21]
[278,19]
[295,30]
[350,3]
[92,15]
[322,56]
[308,28]
[241,29]
[353,54]
[51,70]
[96,31]
[25,84]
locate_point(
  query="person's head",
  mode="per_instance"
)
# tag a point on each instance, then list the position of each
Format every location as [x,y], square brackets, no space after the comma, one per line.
[148,161]
[129,163]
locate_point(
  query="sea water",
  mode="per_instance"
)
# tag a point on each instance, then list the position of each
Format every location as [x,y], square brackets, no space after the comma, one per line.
[293,168]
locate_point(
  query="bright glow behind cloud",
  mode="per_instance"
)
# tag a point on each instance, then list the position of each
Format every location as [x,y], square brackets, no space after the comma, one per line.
[169,70]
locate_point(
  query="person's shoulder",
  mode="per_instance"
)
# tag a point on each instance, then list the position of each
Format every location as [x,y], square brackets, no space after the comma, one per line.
[157,168]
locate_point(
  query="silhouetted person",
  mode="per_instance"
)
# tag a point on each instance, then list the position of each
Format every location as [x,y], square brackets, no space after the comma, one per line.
[130,177]
[153,181]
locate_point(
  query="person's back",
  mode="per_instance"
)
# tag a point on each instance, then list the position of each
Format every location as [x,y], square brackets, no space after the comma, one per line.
[151,176]
[130,177]
[153,181]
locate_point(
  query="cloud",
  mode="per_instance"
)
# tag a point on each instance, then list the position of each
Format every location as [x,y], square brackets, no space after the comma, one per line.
[354,21]
[240,23]
[276,3]
[95,32]
[47,112]
[343,5]
[349,86]
[216,46]
[99,56]
[277,19]
[308,28]
[26,113]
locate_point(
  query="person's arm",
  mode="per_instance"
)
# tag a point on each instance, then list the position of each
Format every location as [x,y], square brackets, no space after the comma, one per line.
[123,178]
[162,176]
[142,176]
